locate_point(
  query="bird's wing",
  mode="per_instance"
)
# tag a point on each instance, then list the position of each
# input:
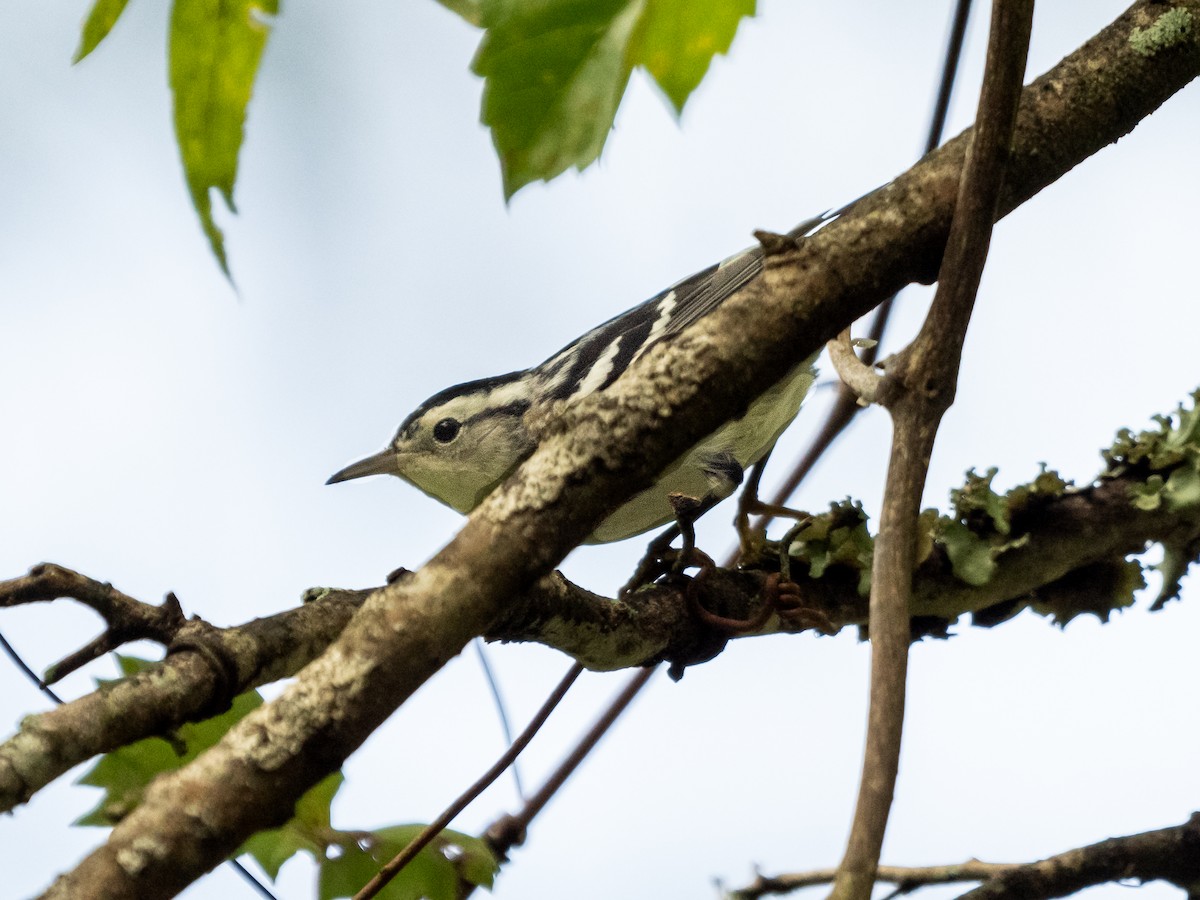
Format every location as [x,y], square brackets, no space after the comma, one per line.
[596,359]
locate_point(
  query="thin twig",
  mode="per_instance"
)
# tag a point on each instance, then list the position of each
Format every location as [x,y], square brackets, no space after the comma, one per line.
[509,831]
[854,373]
[917,389]
[434,828]
[1168,854]
[1171,854]
[50,579]
[249,877]
[126,619]
[846,406]
[907,878]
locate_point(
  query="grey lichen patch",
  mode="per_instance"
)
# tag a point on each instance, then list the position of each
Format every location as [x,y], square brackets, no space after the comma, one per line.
[541,482]
[598,648]
[271,736]
[1171,29]
[140,853]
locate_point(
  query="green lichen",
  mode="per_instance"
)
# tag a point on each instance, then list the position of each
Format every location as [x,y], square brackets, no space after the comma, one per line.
[1172,28]
[837,539]
[976,538]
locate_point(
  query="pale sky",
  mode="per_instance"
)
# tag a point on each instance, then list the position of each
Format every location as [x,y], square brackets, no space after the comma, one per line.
[164,434]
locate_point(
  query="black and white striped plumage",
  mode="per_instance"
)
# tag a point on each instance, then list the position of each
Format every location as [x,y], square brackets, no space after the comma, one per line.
[462,442]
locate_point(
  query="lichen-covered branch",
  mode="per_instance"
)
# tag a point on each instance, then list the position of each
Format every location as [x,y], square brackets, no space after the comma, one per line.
[1044,545]
[185,687]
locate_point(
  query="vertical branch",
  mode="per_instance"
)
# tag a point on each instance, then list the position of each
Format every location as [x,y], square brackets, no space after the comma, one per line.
[846,407]
[917,389]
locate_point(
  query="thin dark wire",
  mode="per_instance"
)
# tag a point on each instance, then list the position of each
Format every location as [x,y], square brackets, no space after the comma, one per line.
[249,878]
[954,45]
[501,709]
[28,672]
[12,654]
[846,406]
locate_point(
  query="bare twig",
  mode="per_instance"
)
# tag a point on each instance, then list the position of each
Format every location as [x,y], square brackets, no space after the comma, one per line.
[184,687]
[855,374]
[11,652]
[434,828]
[50,582]
[1169,854]
[918,388]
[846,406]
[1055,537]
[906,878]
[127,619]
[509,831]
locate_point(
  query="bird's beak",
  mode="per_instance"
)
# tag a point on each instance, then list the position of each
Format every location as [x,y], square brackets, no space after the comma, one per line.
[382,463]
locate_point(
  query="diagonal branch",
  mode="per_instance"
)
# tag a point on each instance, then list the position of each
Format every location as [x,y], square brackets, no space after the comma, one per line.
[846,406]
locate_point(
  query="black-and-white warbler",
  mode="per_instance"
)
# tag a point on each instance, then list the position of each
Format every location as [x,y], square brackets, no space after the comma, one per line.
[462,442]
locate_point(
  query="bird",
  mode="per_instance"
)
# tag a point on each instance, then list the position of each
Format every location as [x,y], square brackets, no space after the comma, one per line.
[461,443]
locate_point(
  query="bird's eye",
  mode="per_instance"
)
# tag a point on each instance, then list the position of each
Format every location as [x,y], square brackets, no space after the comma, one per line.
[446,430]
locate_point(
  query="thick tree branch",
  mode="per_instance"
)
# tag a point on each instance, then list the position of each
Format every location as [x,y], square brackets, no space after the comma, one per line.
[594,455]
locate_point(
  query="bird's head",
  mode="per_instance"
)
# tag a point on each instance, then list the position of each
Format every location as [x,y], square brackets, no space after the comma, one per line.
[459,444]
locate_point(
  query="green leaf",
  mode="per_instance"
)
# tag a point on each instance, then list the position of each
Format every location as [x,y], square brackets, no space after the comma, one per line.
[313,807]
[124,774]
[433,874]
[308,829]
[97,25]
[215,49]
[275,846]
[555,72]
[469,10]
[677,39]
